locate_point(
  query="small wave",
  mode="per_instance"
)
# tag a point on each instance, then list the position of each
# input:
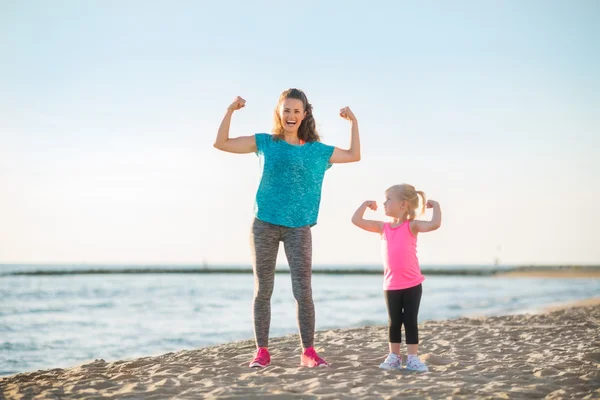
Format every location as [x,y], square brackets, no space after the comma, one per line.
[106,304]
[41,310]
[12,346]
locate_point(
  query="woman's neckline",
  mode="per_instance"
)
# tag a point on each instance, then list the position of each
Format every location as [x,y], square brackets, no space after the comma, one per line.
[302,143]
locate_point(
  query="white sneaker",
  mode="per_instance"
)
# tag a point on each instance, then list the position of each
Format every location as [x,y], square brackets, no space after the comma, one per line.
[414,364]
[392,361]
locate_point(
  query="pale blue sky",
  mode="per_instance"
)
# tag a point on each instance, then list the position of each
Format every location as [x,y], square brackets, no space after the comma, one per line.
[108,111]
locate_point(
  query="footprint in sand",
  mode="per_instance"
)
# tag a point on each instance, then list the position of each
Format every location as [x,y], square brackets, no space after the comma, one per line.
[142,362]
[167,382]
[124,377]
[352,359]
[433,359]
[593,357]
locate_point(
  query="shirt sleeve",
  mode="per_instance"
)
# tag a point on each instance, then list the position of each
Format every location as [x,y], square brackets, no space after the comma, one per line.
[261,142]
[326,151]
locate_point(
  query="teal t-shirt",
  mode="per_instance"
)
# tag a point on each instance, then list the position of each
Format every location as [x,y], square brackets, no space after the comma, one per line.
[289,193]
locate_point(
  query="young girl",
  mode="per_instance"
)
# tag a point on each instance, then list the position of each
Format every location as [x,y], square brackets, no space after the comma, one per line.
[402,275]
[293,163]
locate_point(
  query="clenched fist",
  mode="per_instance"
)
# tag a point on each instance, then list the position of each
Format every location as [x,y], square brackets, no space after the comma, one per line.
[347,113]
[371,204]
[237,104]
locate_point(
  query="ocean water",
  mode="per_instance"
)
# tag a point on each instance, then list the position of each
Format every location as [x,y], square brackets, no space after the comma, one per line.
[62,321]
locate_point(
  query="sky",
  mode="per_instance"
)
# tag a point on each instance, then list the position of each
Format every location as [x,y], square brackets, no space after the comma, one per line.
[109,109]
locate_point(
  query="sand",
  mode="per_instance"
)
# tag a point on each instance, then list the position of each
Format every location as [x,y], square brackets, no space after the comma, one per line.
[553,355]
[594,301]
[552,274]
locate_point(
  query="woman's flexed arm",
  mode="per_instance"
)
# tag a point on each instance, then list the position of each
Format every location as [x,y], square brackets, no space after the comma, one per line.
[353,153]
[239,145]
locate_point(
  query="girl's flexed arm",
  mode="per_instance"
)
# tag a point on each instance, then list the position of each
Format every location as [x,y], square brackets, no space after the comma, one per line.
[353,153]
[240,145]
[428,226]
[367,225]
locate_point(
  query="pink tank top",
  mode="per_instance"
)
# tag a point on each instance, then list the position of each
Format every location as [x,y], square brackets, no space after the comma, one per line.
[400,262]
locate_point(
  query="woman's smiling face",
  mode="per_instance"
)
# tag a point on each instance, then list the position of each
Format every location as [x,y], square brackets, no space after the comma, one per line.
[291,113]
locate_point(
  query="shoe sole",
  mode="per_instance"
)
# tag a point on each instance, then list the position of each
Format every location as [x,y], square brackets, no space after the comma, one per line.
[390,368]
[315,366]
[310,365]
[258,365]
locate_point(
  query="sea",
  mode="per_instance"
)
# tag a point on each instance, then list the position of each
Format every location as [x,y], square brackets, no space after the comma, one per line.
[61,320]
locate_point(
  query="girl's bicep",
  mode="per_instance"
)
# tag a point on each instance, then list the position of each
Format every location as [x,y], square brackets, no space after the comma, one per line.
[369,225]
[423,226]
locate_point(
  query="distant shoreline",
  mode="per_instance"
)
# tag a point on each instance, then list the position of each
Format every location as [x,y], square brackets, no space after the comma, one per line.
[566,271]
[558,274]
[592,301]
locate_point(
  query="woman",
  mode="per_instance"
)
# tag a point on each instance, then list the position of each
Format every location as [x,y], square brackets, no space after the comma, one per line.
[293,163]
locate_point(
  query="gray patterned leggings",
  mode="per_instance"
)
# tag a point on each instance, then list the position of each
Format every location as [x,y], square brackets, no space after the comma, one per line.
[264,244]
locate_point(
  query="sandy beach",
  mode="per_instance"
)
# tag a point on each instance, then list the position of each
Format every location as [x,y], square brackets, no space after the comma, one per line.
[593,273]
[552,355]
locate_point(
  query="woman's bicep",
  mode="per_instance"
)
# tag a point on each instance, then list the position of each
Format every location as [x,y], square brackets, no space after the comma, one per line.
[240,145]
[340,156]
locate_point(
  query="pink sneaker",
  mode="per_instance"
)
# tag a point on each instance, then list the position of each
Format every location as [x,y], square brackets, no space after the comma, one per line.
[311,359]
[262,359]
